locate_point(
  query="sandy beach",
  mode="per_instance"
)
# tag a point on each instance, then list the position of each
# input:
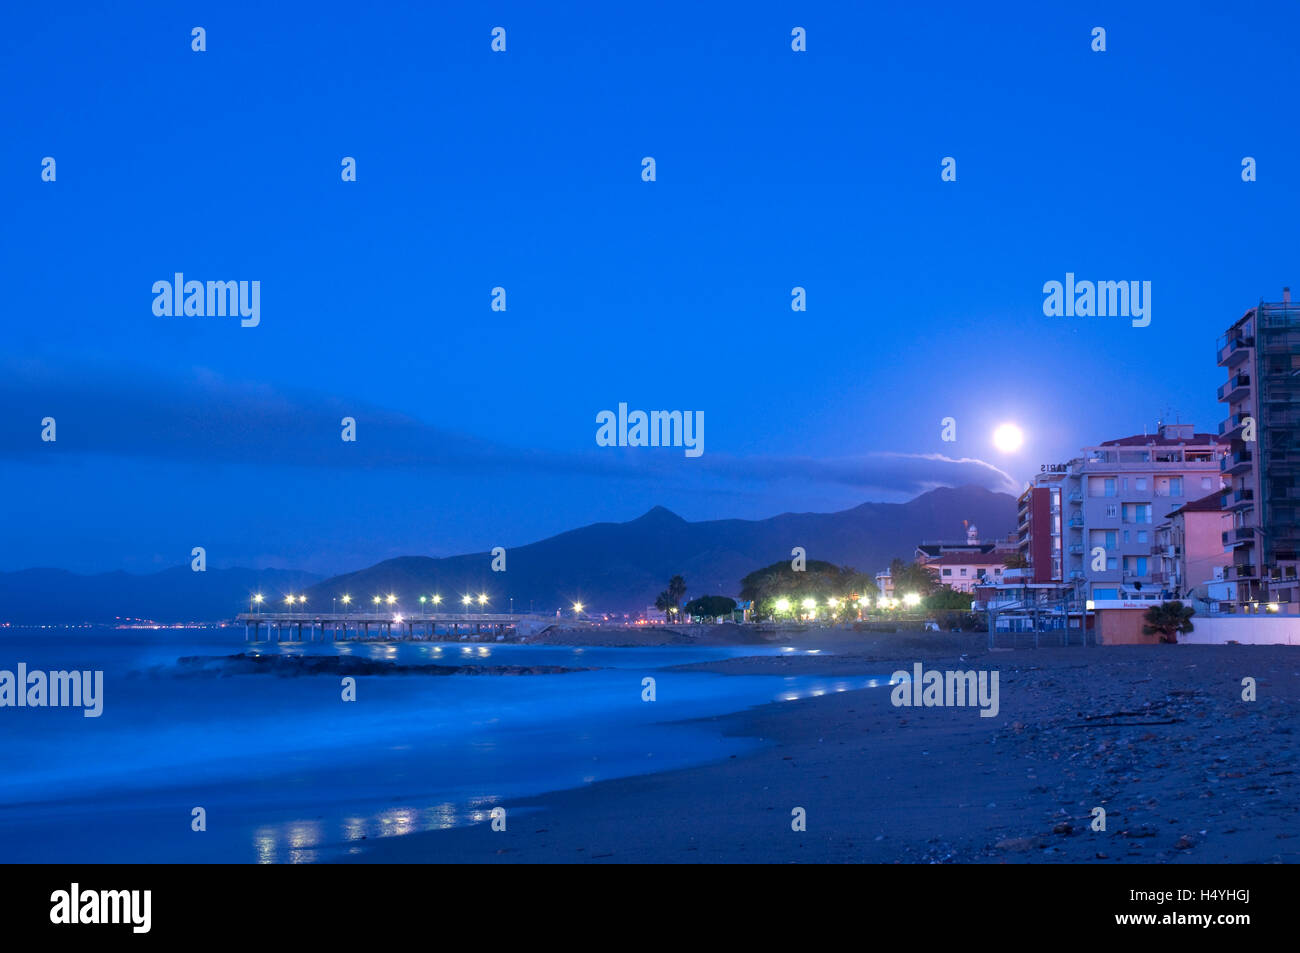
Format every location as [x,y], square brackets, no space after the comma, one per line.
[1157,736]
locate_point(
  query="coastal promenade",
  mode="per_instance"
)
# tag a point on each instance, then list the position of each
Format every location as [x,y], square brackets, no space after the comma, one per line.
[339,626]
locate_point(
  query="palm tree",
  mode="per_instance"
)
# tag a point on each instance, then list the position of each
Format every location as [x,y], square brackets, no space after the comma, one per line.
[676,589]
[1167,620]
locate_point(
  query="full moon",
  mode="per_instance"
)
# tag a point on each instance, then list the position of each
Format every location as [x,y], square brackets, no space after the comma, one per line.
[1008,438]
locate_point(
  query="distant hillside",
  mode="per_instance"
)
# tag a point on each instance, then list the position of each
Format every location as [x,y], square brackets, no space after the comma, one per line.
[623,566]
[55,596]
[612,566]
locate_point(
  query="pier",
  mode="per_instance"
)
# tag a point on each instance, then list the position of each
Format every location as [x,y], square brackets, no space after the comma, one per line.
[340,626]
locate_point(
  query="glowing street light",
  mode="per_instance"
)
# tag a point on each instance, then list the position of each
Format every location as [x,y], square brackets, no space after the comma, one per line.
[577,608]
[782,605]
[466,600]
[288,600]
[257,599]
[482,598]
[437,599]
[302,600]
[391,598]
[376,601]
[912,599]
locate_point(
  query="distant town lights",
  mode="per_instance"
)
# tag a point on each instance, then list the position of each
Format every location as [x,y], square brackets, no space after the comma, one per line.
[782,605]
[912,599]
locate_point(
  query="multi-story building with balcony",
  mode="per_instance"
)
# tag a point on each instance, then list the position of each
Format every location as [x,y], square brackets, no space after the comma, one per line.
[1121,490]
[1261,353]
[1190,558]
[1038,527]
[1101,510]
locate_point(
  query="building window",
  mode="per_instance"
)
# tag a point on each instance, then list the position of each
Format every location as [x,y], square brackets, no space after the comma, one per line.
[947,572]
[1175,486]
[963,572]
[1142,536]
[1111,511]
[1126,539]
[1111,563]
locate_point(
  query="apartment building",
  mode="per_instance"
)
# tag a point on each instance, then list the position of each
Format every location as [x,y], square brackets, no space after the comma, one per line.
[1191,560]
[1261,353]
[1120,491]
[1038,526]
[1089,524]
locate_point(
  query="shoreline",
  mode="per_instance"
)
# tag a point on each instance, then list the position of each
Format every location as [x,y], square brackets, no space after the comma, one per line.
[1158,736]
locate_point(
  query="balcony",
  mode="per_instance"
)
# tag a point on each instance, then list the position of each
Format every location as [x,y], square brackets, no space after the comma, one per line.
[1076,521]
[1241,571]
[1238,500]
[1241,534]
[1229,427]
[1076,548]
[1235,388]
[1232,350]
[1238,462]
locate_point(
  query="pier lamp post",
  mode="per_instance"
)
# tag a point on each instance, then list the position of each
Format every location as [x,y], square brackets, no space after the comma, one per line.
[577,609]
[466,601]
[392,599]
[302,600]
[288,600]
[376,603]
[347,601]
[436,598]
[482,600]
[255,599]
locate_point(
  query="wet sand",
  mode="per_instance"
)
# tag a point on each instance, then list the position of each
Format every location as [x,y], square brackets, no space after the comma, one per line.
[1158,736]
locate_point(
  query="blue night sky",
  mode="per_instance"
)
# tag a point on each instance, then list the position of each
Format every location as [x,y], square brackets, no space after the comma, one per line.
[476,169]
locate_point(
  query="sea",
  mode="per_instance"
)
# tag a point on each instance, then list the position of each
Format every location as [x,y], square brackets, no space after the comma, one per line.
[284,770]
